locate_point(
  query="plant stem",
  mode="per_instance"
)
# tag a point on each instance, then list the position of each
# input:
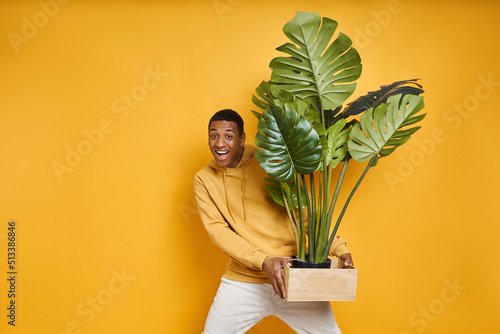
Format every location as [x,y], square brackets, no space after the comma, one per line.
[313,206]
[313,210]
[327,222]
[324,227]
[317,209]
[292,221]
[301,252]
[332,236]
[337,188]
[309,217]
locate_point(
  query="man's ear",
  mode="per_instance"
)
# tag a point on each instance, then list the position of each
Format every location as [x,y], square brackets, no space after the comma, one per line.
[242,139]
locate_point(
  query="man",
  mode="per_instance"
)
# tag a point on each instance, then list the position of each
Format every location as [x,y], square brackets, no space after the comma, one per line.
[243,220]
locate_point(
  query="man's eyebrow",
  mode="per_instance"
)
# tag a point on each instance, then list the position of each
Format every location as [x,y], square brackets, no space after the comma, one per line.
[227,130]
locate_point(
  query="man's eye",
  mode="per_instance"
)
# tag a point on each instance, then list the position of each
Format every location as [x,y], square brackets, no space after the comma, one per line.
[229,137]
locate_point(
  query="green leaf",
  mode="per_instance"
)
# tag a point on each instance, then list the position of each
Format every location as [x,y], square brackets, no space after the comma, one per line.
[268,94]
[262,96]
[316,71]
[274,189]
[338,136]
[375,98]
[287,143]
[380,131]
[413,120]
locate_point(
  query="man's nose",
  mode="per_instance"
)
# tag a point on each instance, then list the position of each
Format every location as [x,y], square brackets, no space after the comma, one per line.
[220,142]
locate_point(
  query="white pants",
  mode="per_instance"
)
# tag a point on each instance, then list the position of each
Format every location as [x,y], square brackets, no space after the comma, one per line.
[239,305]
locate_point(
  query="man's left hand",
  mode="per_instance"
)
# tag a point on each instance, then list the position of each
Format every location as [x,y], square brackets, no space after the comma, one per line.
[347,258]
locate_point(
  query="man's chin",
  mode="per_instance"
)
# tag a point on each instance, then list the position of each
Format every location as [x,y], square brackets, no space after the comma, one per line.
[221,163]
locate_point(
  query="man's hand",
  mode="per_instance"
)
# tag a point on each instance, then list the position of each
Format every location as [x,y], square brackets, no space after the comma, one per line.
[347,260]
[271,266]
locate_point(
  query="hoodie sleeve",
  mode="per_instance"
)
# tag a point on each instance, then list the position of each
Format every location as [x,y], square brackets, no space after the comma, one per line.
[338,247]
[222,234]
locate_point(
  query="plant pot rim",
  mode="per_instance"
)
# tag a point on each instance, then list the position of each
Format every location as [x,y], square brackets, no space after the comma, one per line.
[298,263]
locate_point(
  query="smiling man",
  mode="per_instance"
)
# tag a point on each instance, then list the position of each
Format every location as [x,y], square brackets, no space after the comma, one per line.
[243,220]
[226,143]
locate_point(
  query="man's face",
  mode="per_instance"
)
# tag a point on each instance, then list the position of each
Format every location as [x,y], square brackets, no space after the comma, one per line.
[225,143]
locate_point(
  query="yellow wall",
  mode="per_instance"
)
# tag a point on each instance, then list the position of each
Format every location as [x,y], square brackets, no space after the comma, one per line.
[111,242]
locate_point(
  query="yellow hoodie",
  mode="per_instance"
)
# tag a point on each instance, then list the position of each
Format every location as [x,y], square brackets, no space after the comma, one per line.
[243,220]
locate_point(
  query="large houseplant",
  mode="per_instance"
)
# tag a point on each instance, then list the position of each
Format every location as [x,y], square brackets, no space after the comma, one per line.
[304,131]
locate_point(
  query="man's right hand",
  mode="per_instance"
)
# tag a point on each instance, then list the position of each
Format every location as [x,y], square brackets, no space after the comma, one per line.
[272,266]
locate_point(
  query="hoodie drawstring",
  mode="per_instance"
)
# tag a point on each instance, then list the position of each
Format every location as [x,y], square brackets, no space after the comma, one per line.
[243,199]
[225,192]
[243,192]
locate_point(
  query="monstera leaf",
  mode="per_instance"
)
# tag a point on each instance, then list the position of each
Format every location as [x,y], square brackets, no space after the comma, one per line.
[337,143]
[262,97]
[276,190]
[322,74]
[383,129]
[268,94]
[287,143]
[375,98]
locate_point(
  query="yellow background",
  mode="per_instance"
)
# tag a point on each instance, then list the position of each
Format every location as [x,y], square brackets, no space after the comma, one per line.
[424,218]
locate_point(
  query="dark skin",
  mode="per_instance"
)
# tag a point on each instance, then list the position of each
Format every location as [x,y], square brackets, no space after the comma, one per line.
[272,265]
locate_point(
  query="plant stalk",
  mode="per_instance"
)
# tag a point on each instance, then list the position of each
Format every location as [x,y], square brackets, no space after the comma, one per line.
[337,188]
[332,236]
[292,221]
[313,208]
[310,226]
[301,252]
[324,227]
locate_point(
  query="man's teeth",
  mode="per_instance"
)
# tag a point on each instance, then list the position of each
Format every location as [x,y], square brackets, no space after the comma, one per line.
[222,152]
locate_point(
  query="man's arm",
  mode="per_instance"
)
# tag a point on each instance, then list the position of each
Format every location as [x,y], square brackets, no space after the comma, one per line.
[272,267]
[340,250]
[235,246]
[221,233]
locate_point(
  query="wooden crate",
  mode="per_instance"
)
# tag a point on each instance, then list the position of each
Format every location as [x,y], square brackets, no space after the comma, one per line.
[334,284]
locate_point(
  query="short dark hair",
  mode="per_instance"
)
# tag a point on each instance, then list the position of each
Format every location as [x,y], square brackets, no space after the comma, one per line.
[228,115]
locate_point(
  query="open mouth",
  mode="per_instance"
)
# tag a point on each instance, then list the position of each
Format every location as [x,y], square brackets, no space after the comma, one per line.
[221,155]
